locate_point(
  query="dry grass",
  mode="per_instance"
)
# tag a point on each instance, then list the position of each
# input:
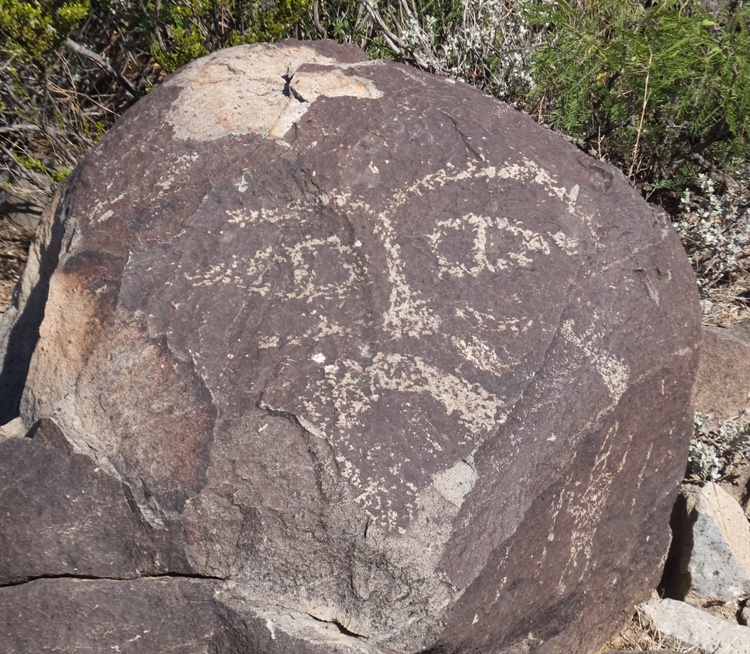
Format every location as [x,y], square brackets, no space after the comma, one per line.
[14,249]
[639,635]
[728,305]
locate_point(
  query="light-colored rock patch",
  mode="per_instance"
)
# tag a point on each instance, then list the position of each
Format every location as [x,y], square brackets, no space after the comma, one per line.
[691,627]
[268,96]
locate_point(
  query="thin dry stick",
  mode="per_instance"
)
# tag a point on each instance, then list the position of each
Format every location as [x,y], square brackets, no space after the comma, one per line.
[395,43]
[103,63]
[322,32]
[20,128]
[643,114]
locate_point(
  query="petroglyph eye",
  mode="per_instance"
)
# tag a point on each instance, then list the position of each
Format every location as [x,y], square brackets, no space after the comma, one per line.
[486,244]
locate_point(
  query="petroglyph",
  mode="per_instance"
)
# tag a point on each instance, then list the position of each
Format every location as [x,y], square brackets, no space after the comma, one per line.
[585,507]
[327,270]
[476,408]
[482,228]
[570,245]
[614,373]
[481,354]
[407,313]
[99,215]
[525,170]
[353,389]
[178,170]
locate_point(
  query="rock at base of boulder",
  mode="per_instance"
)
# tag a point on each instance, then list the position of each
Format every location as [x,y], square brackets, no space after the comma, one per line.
[711,551]
[178,615]
[97,530]
[691,627]
[93,616]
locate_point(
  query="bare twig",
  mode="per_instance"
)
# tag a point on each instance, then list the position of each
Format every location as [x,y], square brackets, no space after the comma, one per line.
[720,175]
[20,128]
[646,95]
[90,54]
[394,42]
[322,33]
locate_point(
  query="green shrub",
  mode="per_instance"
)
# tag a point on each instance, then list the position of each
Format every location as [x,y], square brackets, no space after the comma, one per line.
[646,87]
[717,446]
[69,68]
[183,30]
[30,29]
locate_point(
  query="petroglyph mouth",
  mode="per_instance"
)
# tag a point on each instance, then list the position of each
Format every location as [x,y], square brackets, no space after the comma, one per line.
[269,94]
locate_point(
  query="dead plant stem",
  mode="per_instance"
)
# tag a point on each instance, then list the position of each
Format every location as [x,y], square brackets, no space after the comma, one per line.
[634,157]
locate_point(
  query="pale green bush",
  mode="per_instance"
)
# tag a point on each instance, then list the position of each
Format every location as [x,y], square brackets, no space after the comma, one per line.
[715,447]
[714,225]
[487,43]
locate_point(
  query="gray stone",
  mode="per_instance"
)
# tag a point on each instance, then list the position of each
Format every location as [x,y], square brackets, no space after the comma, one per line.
[19,324]
[745,615]
[691,627]
[391,361]
[712,537]
[24,194]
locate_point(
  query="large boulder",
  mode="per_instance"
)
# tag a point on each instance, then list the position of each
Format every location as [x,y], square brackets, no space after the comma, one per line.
[379,363]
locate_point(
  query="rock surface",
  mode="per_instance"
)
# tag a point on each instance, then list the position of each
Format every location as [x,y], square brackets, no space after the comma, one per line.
[23,195]
[155,616]
[691,627]
[92,616]
[723,383]
[714,538]
[386,365]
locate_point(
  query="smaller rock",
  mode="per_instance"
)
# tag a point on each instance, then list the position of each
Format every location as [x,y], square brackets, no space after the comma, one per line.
[13,429]
[691,627]
[97,533]
[712,545]
[723,381]
[738,485]
[744,617]
[24,194]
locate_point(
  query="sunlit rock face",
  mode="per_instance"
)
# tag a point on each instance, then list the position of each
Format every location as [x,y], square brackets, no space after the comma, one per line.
[379,362]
